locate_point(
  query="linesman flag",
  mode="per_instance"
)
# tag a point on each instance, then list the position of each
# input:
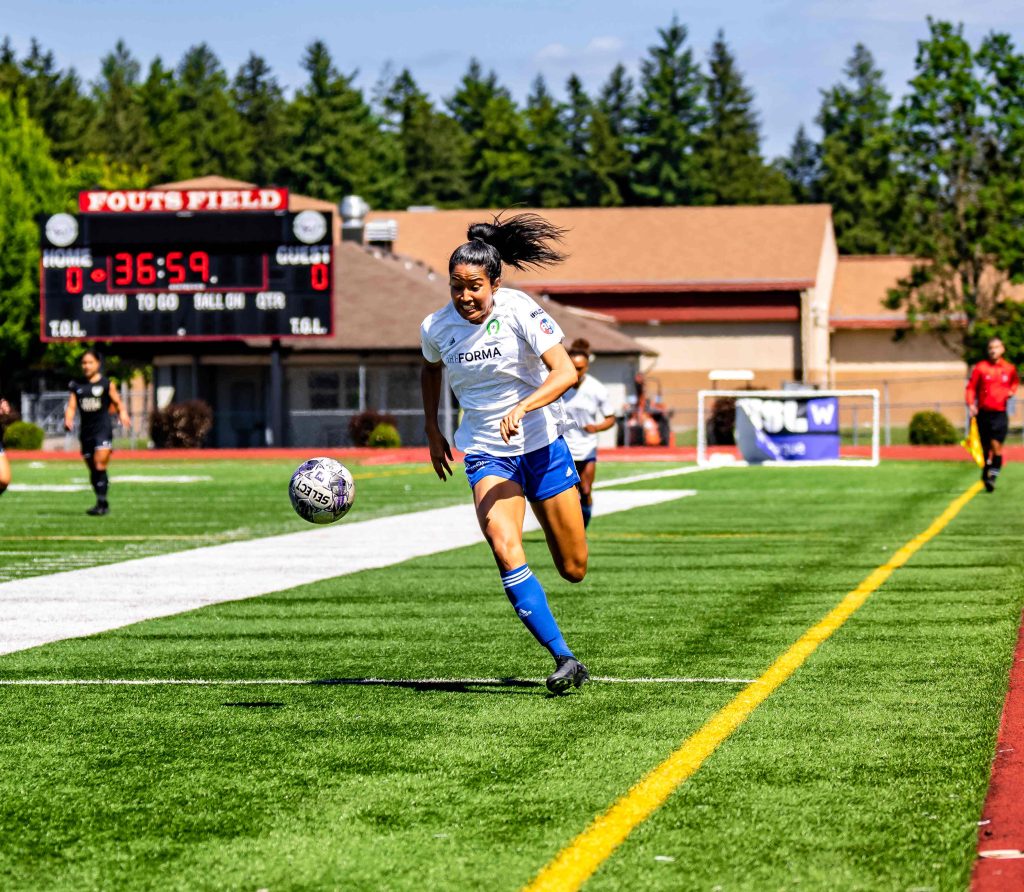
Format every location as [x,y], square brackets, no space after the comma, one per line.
[973,444]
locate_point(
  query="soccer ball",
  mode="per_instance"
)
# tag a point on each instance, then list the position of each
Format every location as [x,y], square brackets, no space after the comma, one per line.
[322,490]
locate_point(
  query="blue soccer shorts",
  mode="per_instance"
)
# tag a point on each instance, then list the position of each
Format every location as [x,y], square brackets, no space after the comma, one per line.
[543,473]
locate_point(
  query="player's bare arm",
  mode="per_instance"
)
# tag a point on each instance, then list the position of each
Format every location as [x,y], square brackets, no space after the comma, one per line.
[431,379]
[118,408]
[69,413]
[562,376]
[597,427]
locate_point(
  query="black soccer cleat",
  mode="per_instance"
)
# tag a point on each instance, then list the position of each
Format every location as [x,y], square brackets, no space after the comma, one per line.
[570,672]
[988,477]
[98,510]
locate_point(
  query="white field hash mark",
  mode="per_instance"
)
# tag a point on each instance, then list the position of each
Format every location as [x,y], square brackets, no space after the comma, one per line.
[329,682]
[41,609]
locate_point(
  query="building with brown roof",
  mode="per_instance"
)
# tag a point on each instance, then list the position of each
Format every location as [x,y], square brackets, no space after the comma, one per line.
[677,291]
[701,288]
[870,345]
[306,390]
[751,288]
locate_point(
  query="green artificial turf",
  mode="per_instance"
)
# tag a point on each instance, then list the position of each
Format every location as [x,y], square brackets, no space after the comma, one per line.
[48,532]
[866,770]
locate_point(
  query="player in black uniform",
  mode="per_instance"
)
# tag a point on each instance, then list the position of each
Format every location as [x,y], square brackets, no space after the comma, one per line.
[5,465]
[96,398]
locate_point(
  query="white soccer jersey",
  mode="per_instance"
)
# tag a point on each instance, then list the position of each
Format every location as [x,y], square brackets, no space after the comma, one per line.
[587,404]
[494,365]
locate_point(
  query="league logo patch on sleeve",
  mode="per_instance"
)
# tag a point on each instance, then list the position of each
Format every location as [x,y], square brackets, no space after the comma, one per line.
[546,326]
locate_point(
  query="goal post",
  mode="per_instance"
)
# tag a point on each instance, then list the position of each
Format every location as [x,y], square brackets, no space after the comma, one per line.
[792,428]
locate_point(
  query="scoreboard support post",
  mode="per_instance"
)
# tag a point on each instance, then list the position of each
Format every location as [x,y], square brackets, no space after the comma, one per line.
[276,403]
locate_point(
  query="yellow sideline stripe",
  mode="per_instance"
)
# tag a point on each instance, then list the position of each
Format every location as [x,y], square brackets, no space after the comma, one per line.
[574,865]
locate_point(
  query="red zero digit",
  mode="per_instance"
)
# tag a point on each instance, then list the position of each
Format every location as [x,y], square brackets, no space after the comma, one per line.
[318,276]
[175,267]
[73,277]
[145,269]
[199,262]
[123,269]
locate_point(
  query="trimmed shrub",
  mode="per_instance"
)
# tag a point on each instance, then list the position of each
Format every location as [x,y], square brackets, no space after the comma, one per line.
[23,435]
[384,436]
[181,425]
[362,426]
[932,429]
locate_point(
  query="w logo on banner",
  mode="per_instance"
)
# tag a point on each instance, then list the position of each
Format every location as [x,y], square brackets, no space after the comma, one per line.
[822,412]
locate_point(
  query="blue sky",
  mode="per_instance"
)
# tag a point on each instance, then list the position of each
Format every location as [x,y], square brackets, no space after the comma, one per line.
[788,49]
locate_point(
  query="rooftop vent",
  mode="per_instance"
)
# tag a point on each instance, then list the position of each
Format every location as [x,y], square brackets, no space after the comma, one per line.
[381,233]
[353,211]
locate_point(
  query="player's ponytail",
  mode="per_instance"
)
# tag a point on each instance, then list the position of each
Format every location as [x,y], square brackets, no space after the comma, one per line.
[521,241]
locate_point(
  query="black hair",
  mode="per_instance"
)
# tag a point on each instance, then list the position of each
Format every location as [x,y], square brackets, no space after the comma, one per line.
[579,347]
[92,351]
[521,241]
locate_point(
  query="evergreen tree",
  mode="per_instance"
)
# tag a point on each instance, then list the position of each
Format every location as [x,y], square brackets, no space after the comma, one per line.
[56,101]
[337,147]
[857,176]
[611,140]
[961,138]
[801,168]
[500,168]
[120,129]
[168,158]
[618,102]
[497,171]
[468,103]
[669,119]
[211,129]
[10,73]
[259,101]
[548,137]
[578,112]
[433,145]
[728,150]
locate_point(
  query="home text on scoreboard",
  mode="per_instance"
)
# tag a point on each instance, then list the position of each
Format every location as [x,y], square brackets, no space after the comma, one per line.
[186,265]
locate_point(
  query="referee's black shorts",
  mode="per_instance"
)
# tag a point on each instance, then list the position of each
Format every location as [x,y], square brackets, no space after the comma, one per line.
[992,426]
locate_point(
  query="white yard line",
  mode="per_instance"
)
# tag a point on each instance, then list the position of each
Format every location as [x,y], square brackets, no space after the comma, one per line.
[655,475]
[42,609]
[79,484]
[327,682]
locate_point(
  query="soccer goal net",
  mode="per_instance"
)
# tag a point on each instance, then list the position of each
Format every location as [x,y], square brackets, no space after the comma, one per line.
[788,427]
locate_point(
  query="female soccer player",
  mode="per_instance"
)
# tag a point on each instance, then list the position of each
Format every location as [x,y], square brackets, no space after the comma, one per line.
[508,368]
[5,465]
[993,382]
[588,405]
[95,397]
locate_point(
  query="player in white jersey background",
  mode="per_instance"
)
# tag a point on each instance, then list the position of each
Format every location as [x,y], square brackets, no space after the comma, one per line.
[588,405]
[508,368]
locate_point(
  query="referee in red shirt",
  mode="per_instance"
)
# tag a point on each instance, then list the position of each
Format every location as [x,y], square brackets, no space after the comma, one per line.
[993,382]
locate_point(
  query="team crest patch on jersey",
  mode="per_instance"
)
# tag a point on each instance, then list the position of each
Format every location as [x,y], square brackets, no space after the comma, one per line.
[97,390]
[493,326]
[546,326]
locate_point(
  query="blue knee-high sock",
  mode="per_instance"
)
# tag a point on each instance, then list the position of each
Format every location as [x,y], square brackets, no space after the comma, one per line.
[587,507]
[531,606]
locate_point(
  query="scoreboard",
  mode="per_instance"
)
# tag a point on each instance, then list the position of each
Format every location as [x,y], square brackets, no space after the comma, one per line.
[127,272]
